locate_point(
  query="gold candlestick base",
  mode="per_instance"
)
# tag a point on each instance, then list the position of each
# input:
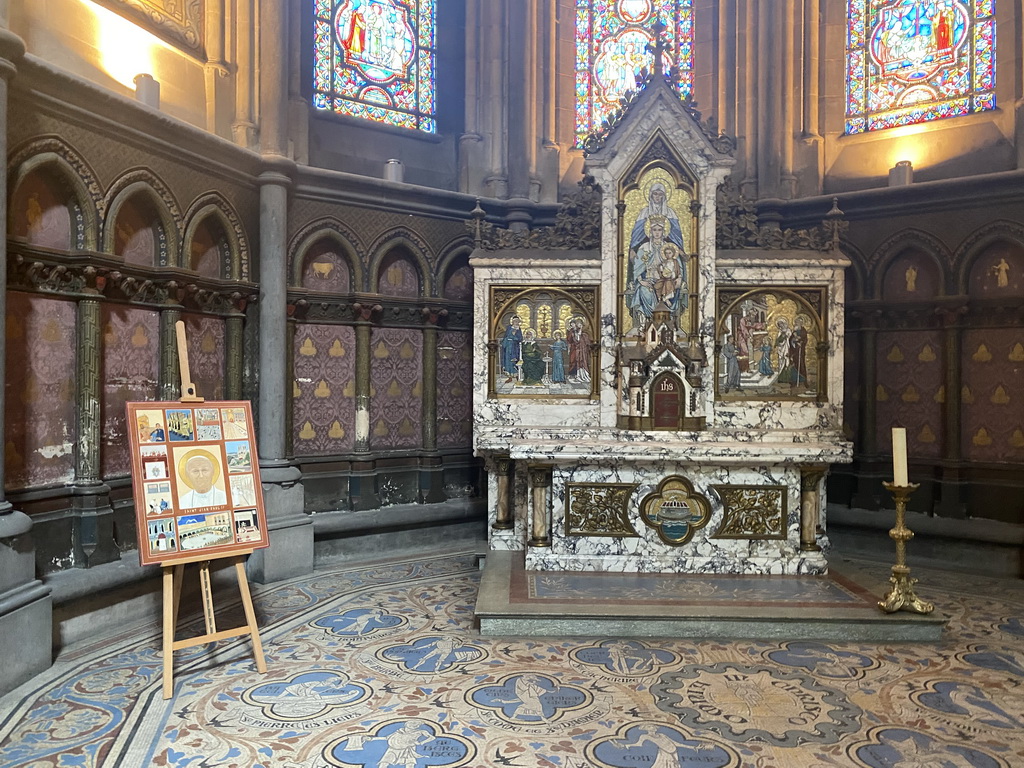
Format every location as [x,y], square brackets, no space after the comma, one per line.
[901,597]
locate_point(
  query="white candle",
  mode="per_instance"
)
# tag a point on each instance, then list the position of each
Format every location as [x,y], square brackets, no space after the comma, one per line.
[899,457]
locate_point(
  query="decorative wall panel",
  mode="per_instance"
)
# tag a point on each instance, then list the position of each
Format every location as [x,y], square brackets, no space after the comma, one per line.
[910,390]
[323,404]
[326,270]
[40,415]
[454,389]
[398,277]
[180,21]
[993,395]
[131,372]
[396,396]
[206,354]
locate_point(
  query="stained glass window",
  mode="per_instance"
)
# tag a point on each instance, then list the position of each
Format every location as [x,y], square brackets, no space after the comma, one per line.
[911,61]
[611,48]
[375,59]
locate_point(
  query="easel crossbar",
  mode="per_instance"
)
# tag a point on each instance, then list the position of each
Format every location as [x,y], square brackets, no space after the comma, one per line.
[203,640]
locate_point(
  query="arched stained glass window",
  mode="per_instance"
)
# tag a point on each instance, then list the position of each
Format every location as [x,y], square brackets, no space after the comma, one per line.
[911,61]
[611,48]
[375,59]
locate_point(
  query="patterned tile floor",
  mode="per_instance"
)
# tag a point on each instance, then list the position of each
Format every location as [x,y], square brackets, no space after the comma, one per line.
[379,665]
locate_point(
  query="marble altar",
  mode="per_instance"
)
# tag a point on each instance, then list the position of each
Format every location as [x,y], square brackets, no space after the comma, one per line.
[670,399]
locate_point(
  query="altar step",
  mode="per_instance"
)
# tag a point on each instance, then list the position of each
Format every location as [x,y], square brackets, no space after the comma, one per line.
[840,606]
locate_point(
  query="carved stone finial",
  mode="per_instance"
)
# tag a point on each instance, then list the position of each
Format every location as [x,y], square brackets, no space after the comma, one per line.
[478,215]
[660,47]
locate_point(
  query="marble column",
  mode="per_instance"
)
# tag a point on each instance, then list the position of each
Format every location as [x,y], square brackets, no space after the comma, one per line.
[363,479]
[93,517]
[810,507]
[170,369]
[540,514]
[234,327]
[502,467]
[26,609]
[431,468]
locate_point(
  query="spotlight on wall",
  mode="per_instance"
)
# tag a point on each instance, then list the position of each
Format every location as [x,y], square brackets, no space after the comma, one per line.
[901,174]
[147,90]
[394,170]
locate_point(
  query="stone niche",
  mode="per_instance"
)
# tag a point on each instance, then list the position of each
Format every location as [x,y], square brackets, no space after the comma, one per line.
[665,396]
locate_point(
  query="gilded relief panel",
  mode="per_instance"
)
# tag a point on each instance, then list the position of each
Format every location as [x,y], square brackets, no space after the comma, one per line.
[768,342]
[752,512]
[543,342]
[598,509]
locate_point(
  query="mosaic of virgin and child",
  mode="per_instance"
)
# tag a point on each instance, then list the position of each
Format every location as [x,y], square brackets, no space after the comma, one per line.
[532,362]
[657,260]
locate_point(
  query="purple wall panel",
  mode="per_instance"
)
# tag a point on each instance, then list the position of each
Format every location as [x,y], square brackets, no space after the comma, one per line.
[993,395]
[396,402]
[324,405]
[206,354]
[131,372]
[910,390]
[40,391]
[398,277]
[454,389]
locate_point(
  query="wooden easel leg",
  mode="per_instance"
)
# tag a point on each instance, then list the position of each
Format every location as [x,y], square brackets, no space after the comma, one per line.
[207,597]
[171,585]
[250,616]
[179,577]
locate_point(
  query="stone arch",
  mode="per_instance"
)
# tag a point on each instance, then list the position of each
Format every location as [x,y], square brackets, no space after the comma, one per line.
[452,264]
[395,245]
[156,208]
[931,251]
[51,156]
[212,206]
[303,252]
[997,235]
[856,287]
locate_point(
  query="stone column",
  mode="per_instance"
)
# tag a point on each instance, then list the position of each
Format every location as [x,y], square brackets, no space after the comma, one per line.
[291,530]
[432,469]
[810,507]
[363,479]
[503,503]
[170,370]
[93,516]
[26,610]
[234,327]
[540,520]
[869,478]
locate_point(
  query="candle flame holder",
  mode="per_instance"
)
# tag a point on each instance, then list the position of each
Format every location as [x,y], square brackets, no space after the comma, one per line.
[901,596]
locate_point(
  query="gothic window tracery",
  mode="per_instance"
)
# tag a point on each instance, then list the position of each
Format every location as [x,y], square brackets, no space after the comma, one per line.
[912,61]
[611,48]
[374,59]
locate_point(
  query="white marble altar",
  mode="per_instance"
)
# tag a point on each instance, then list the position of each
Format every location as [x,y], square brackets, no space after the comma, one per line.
[694,451]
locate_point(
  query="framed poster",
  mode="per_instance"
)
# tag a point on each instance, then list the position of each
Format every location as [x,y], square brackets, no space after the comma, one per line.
[196,480]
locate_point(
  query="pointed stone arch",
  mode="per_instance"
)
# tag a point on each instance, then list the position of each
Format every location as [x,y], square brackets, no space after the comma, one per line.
[910,239]
[452,261]
[397,241]
[142,184]
[54,156]
[979,242]
[214,205]
[319,231]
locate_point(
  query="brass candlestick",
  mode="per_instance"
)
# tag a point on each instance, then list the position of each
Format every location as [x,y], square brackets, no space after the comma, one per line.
[901,597]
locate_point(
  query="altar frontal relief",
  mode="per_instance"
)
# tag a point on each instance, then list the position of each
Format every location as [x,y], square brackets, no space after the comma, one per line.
[658,267]
[543,342]
[769,344]
[197,486]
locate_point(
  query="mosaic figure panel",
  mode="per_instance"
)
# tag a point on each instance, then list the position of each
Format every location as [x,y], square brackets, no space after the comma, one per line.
[543,342]
[992,370]
[910,390]
[40,391]
[398,277]
[323,395]
[396,396]
[659,237]
[206,354]
[454,389]
[998,272]
[325,269]
[913,276]
[44,213]
[131,372]
[768,342]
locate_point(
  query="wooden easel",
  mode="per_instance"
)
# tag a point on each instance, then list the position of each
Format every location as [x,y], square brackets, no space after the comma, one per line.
[174,575]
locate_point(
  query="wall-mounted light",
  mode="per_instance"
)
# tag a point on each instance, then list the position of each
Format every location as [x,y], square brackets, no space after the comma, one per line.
[147,90]
[393,170]
[901,174]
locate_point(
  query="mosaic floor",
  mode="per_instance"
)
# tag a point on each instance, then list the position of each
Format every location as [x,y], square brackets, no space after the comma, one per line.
[379,665]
